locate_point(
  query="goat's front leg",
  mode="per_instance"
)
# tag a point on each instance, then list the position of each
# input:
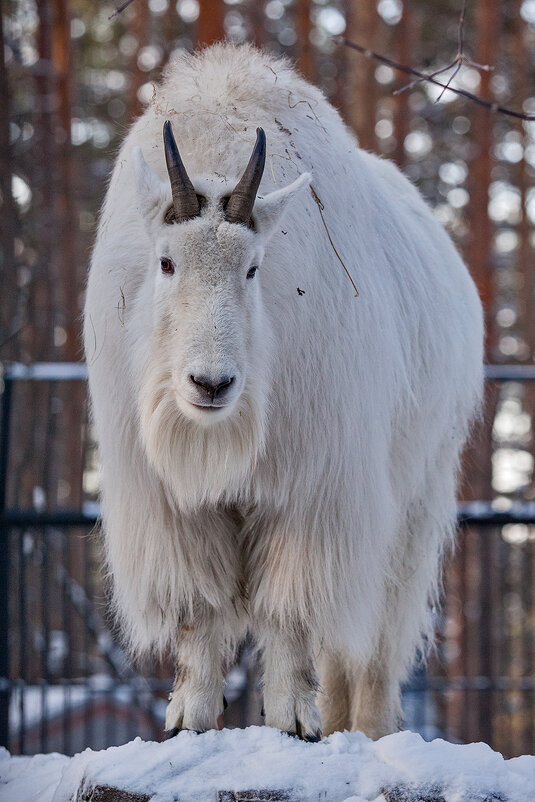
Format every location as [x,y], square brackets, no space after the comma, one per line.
[196,701]
[290,681]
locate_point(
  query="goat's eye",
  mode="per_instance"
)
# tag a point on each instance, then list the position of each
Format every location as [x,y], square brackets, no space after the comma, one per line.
[167,266]
[251,272]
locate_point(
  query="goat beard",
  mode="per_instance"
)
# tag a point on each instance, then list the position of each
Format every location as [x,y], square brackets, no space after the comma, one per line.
[200,465]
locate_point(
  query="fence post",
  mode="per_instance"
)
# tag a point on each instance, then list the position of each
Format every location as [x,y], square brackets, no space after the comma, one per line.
[4,564]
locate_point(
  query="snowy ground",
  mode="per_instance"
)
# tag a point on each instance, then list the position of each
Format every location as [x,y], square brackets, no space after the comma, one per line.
[346,767]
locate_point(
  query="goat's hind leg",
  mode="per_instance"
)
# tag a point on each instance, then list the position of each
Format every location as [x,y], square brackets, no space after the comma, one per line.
[290,681]
[375,699]
[196,701]
[357,697]
[334,695]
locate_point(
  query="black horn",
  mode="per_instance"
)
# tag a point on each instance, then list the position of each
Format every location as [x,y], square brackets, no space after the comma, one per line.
[241,202]
[185,201]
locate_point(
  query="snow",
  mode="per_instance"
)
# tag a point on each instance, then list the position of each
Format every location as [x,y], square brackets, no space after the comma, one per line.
[30,779]
[47,371]
[345,767]
[43,702]
[30,704]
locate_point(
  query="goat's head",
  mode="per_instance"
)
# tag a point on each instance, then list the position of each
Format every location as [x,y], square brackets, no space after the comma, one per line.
[207,246]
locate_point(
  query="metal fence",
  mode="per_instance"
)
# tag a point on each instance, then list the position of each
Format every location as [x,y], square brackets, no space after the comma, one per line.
[65,682]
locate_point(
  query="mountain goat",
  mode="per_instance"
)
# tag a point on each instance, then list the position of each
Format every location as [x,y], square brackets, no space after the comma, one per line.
[279,456]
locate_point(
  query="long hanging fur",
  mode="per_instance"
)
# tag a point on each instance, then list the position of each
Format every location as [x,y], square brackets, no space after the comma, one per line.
[327,498]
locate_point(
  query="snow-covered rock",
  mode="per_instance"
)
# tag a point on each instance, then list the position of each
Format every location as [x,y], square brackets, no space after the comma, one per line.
[346,767]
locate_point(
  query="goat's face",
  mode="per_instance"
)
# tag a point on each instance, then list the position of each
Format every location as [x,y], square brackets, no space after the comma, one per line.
[208,310]
[208,323]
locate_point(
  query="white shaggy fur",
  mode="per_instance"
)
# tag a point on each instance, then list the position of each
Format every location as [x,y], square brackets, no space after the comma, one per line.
[314,507]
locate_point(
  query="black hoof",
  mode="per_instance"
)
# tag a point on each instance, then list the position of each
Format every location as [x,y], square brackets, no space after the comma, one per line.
[171,733]
[312,738]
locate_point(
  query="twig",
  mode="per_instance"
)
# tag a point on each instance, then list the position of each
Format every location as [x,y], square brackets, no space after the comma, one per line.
[427,76]
[457,62]
[365,51]
[321,207]
[450,79]
[121,8]
[294,105]
[460,29]
[121,306]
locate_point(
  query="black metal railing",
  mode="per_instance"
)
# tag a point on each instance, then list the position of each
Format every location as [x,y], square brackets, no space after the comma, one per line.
[89,703]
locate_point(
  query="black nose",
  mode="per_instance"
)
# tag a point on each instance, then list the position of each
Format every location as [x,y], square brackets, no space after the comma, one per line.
[213,388]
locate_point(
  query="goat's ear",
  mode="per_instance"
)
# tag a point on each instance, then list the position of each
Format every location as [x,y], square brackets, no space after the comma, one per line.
[151,192]
[269,210]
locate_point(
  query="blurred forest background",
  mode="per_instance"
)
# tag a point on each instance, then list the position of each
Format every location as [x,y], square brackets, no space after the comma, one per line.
[72,82]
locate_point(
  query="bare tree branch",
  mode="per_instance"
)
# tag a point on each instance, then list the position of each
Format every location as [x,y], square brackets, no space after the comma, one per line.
[460,59]
[430,79]
[120,8]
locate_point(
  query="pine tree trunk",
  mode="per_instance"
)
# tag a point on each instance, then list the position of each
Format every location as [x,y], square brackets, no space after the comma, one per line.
[361,88]
[487,22]
[304,53]
[210,27]
[9,321]
[405,47]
